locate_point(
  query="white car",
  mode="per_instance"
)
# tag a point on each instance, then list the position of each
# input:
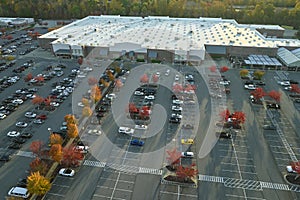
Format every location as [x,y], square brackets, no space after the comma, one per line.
[150,97]
[126,130]
[284,83]
[111,96]
[88,69]
[224,82]
[174,115]
[2,116]
[157,74]
[288,88]
[30,96]
[176,108]
[250,87]
[19,192]
[13,134]
[167,72]
[290,169]
[141,127]
[80,104]
[55,104]
[38,121]
[138,93]
[67,172]
[21,124]
[176,77]
[17,101]
[177,101]
[187,154]
[82,149]
[30,115]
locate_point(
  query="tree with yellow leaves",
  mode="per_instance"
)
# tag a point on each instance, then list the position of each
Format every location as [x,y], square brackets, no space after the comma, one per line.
[70,119]
[244,72]
[86,111]
[95,93]
[55,139]
[38,184]
[85,102]
[56,152]
[72,130]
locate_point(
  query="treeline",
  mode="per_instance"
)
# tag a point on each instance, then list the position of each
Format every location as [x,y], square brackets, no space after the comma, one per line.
[282,12]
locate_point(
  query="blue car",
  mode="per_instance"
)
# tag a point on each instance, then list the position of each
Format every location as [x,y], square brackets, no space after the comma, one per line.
[137,142]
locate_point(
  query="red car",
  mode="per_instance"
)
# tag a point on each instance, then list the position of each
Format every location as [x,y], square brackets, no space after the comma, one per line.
[42,117]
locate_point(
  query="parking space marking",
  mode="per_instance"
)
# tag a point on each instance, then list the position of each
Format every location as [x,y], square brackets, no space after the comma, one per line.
[110,179]
[237,196]
[65,186]
[236,164]
[239,171]
[25,154]
[114,189]
[178,194]
[55,194]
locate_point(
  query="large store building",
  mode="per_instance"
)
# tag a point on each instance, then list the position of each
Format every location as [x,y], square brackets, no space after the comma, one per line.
[164,38]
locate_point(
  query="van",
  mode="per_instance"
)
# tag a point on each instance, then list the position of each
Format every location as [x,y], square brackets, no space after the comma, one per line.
[19,192]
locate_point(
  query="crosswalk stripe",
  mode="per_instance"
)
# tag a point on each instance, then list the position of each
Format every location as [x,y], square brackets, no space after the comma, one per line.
[25,154]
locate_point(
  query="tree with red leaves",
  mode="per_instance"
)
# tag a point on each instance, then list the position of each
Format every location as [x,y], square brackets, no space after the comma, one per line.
[155,78]
[258,93]
[275,95]
[173,158]
[47,101]
[296,167]
[295,88]
[71,157]
[37,101]
[80,60]
[37,165]
[189,88]
[187,173]
[28,77]
[177,88]
[36,147]
[224,115]
[145,112]
[132,108]
[92,81]
[9,37]
[238,117]
[224,69]
[144,78]
[213,68]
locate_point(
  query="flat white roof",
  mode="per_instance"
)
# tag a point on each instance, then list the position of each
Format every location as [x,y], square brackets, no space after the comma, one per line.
[164,33]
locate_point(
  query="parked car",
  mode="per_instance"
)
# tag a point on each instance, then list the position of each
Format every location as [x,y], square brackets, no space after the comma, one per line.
[141,127]
[14,145]
[136,142]
[177,101]
[30,115]
[38,121]
[13,134]
[5,157]
[26,135]
[174,120]
[273,106]
[187,154]
[22,182]
[2,116]
[187,141]
[19,192]
[290,169]
[19,140]
[21,124]
[82,149]
[269,127]
[42,117]
[187,126]
[126,130]
[67,172]
[224,134]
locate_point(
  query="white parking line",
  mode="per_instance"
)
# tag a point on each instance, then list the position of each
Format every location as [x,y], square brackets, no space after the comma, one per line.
[225,170]
[123,158]
[55,194]
[236,164]
[99,195]
[173,193]
[275,146]
[114,189]
[237,196]
[65,186]
[280,152]
[111,179]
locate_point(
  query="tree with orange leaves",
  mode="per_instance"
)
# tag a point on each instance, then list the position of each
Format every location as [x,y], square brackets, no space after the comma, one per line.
[224,69]
[85,102]
[39,78]
[72,130]
[86,111]
[70,119]
[71,157]
[56,152]
[55,139]
[95,93]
